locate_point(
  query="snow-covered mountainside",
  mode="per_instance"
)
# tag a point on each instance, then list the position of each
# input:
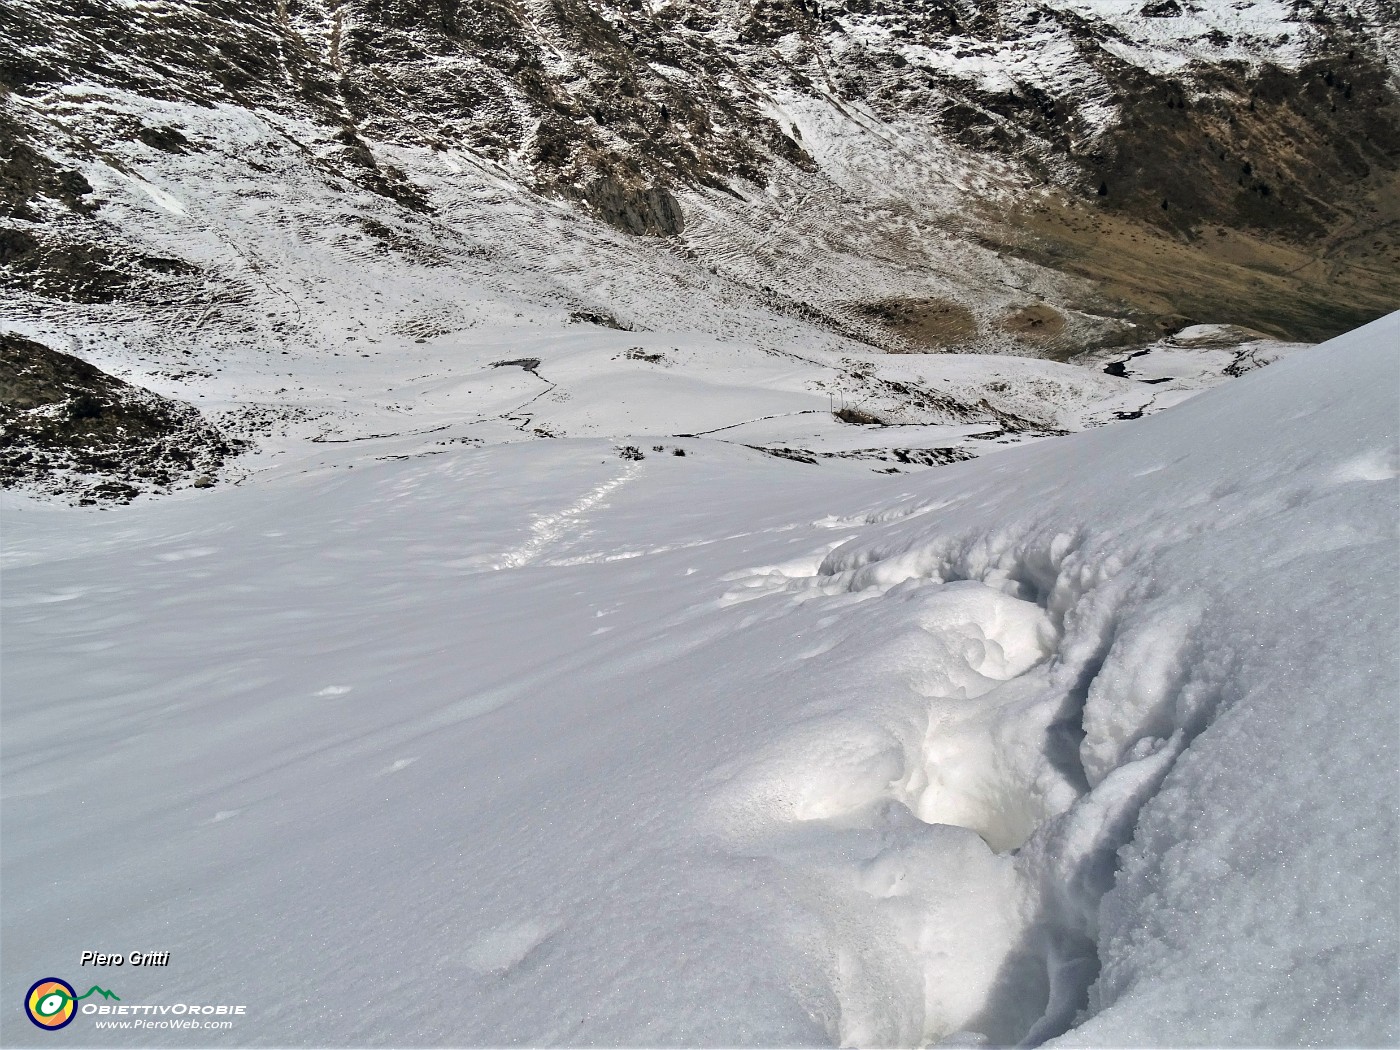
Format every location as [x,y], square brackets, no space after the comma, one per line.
[1093,739]
[235,206]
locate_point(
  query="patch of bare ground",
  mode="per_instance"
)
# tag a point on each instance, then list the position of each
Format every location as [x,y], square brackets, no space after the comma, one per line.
[859,417]
[1036,324]
[1164,280]
[1224,337]
[921,324]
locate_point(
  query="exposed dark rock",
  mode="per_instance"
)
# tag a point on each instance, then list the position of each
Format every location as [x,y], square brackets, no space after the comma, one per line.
[646,210]
[68,428]
[599,317]
[1191,156]
[61,267]
[1161,9]
[28,177]
[168,140]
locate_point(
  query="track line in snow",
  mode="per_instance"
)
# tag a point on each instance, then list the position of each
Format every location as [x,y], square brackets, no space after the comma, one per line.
[746,422]
[548,528]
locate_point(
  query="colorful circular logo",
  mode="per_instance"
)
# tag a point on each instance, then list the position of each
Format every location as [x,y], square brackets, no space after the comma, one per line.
[50,1003]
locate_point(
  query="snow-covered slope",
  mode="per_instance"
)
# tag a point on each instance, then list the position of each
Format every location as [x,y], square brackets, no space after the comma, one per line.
[1093,738]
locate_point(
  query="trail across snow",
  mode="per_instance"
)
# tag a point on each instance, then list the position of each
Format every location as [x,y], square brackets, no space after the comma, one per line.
[1091,740]
[547,528]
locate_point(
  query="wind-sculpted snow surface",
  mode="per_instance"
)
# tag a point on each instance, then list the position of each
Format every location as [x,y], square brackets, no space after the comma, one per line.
[1225,616]
[1092,739]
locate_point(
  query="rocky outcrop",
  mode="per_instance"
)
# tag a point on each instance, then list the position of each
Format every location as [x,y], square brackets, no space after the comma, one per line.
[69,428]
[642,210]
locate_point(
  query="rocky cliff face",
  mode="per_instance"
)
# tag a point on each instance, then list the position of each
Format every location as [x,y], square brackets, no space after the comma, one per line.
[1279,120]
[181,182]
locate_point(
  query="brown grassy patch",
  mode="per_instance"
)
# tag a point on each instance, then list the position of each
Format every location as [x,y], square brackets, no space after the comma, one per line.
[1035,324]
[850,414]
[1219,275]
[932,324]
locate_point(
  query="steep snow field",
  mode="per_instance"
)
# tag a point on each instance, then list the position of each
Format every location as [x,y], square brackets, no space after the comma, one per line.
[1091,739]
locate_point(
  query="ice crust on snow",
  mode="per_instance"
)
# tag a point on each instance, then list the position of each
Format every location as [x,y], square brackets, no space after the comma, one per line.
[1090,740]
